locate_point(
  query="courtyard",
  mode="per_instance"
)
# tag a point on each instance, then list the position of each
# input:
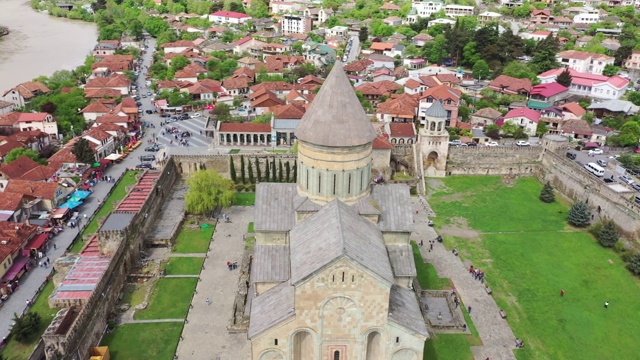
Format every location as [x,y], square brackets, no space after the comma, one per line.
[530,254]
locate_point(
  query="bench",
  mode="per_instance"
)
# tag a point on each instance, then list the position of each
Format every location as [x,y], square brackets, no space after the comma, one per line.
[502,314]
[488,290]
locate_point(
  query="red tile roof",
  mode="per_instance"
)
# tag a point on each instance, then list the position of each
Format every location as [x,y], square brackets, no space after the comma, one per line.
[574,108]
[230,14]
[510,85]
[18,167]
[245,128]
[523,112]
[402,130]
[10,201]
[548,89]
[382,143]
[16,235]
[45,190]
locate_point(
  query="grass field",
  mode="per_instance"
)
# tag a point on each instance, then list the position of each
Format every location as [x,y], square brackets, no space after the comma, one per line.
[135,297]
[107,207]
[245,199]
[193,240]
[529,254]
[184,266]
[427,275]
[170,299]
[18,351]
[143,341]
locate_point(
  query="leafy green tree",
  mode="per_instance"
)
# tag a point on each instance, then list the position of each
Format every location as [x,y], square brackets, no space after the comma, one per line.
[179,62]
[19,152]
[435,51]
[608,233]
[546,194]
[541,128]
[564,78]
[579,214]
[273,170]
[243,177]
[155,25]
[481,70]
[634,97]
[26,326]
[610,70]
[469,54]
[258,9]
[83,151]
[258,170]
[520,134]
[464,112]
[287,171]
[363,34]
[208,190]
[332,4]
[629,134]
[544,58]
[232,170]
[519,70]
[252,180]
[263,119]
[634,264]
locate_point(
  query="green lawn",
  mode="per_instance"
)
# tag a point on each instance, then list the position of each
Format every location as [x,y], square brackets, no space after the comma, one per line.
[107,207]
[184,266]
[170,299]
[529,254]
[245,199]
[427,275]
[250,228]
[234,151]
[193,240]
[135,297]
[18,351]
[143,341]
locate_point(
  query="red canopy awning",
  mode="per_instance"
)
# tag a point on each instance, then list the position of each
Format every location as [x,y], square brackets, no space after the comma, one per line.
[59,213]
[15,269]
[37,241]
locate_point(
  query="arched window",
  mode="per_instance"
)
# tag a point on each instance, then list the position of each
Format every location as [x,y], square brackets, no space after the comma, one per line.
[336,355]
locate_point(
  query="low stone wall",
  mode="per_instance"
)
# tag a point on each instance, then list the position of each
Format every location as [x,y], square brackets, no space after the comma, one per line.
[187,164]
[483,160]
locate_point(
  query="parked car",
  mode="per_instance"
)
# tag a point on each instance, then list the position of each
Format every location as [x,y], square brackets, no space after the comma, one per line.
[149,93]
[149,111]
[635,186]
[455,143]
[171,119]
[153,148]
[183,116]
[596,151]
[138,103]
[492,144]
[195,115]
[143,96]
[626,179]
[145,165]
[148,157]
[602,162]
[472,143]
[522,143]
[185,134]
[571,155]
[609,180]
[164,115]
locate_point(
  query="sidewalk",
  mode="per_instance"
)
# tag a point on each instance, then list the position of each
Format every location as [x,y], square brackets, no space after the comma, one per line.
[205,334]
[496,335]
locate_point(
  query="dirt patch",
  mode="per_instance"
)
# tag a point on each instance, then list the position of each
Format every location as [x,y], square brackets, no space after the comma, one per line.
[452,197]
[434,186]
[459,228]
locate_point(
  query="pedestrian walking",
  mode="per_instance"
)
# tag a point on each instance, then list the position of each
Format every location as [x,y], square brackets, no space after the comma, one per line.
[48,260]
[606,304]
[421,243]
[469,310]
[561,293]
[430,247]
[55,247]
[208,301]
[229,265]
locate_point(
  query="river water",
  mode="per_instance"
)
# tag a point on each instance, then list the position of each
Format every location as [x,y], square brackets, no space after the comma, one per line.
[39,44]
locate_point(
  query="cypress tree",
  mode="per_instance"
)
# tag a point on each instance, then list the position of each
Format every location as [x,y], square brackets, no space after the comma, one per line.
[273,170]
[579,214]
[266,171]
[287,170]
[295,172]
[258,171]
[251,179]
[232,169]
[242,174]
[546,194]
[280,170]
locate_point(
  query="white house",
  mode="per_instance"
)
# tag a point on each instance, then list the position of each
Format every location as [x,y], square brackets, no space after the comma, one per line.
[525,118]
[423,9]
[595,86]
[453,10]
[292,24]
[229,17]
[100,141]
[38,121]
[586,62]
[337,31]
[588,15]
[177,47]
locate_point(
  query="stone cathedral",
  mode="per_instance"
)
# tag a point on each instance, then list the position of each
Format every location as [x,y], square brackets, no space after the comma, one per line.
[333,267]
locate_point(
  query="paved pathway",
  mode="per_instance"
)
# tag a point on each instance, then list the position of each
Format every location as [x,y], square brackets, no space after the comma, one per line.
[205,333]
[496,335]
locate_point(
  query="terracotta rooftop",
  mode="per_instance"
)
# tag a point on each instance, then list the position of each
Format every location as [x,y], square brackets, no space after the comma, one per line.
[245,128]
[18,167]
[45,190]
[402,130]
[10,201]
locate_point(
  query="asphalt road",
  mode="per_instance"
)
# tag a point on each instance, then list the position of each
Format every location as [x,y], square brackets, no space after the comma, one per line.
[583,158]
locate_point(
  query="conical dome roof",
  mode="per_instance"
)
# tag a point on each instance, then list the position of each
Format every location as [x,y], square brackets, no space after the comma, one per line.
[436,110]
[335,117]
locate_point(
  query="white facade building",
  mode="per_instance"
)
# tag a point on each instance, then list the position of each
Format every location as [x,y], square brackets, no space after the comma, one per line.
[586,62]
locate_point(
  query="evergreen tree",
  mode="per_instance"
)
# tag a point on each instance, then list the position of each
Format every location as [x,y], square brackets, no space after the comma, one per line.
[279,170]
[266,171]
[232,169]
[251,179]
[634,264]
[295,172]
[273,170]
[544,58]
[363,35]
[579,214]
[258,171]
[242,174]
[608,234]
[547,195]
[83,151]
[25,326]
[287,170]
[565,78]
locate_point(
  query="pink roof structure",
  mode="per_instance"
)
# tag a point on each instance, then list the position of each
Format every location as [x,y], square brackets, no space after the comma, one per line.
[139,194]
[548,89]
[230,14]
[523,112]
[589,80]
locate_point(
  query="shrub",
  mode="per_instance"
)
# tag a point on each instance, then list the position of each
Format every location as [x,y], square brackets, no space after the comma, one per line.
[579,214]
[634,264]
[239,187]
[608,234]
[546,194]
[25,326]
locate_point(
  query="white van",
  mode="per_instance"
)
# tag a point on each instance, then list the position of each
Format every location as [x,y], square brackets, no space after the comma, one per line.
[595,169]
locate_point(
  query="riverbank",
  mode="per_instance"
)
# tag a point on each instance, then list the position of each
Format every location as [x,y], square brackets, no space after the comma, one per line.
[75,11]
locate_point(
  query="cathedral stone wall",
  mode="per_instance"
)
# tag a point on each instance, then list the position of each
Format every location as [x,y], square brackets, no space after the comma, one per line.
[272,238]
[483,160]
[396,238]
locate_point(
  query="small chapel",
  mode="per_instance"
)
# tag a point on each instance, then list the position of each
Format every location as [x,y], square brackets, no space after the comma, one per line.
[333,268]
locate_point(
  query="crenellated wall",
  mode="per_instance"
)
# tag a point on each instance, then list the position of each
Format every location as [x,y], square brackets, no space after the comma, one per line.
[484,160]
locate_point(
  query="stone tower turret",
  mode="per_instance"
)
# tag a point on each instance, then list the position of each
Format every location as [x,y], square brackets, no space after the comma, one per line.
[434,141]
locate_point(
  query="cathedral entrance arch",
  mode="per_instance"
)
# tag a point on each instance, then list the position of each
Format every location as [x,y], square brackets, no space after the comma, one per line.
[431,159]
[374,346]
[272,355]
[405,354]
[303,346]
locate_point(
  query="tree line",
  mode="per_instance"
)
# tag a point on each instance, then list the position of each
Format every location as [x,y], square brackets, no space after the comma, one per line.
[274,171]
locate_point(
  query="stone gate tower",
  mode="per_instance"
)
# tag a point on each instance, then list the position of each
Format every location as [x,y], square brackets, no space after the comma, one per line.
[434,141]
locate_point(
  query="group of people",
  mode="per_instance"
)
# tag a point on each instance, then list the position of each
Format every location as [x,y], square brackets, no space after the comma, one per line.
[519,343]
[232,265]
[477,273]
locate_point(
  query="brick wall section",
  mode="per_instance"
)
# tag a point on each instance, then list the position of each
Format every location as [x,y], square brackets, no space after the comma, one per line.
[483,160]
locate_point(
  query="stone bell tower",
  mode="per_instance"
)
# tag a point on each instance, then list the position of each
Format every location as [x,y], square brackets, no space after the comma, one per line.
[434,141]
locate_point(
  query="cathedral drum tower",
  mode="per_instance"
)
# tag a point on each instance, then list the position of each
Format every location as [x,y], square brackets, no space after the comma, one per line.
[434,141]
